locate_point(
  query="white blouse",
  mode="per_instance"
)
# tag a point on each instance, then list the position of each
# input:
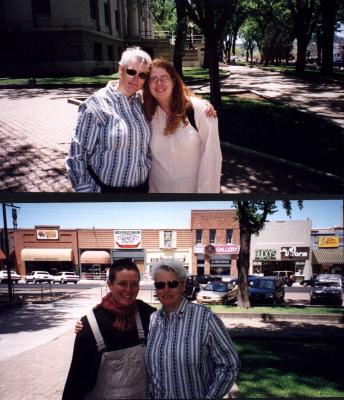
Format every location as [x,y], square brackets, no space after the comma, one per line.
[186,161]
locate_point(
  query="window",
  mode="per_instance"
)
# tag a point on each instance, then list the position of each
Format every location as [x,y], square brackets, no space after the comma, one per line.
[41,7]
[97,49]
[229,234]
[212,236]
[93,9]
[107,14]
[117,19]
[199,233]
[168,239]
[111,53]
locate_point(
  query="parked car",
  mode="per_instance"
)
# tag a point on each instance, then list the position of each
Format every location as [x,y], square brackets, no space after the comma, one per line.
[327,290]
[288,277]
[38,277]
[65,277]
[217,293]
[268,289]
[308,282]
[4,276]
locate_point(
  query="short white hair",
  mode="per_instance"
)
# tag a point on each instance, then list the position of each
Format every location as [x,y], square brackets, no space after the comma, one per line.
[134,53]
[170,265]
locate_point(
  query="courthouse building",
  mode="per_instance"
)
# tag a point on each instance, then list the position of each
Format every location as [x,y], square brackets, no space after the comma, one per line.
[73,37]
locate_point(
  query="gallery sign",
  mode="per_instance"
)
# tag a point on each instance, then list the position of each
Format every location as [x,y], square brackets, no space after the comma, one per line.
[294,253]
[227,249]
[328,241]
[127,239]
[265,254]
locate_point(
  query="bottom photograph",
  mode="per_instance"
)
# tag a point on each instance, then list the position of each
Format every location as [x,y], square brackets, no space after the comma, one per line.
[171,299]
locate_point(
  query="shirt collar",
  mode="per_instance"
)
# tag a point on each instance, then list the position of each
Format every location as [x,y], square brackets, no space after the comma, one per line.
[180,310]
[115,94]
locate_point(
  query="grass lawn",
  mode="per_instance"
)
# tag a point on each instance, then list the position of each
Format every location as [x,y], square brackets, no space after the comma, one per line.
[290,368]
[282,132]
[190,74]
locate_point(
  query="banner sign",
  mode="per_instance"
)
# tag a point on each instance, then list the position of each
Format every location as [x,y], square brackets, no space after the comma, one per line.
[127,239]
[294,253]
[47,234]
[328,241]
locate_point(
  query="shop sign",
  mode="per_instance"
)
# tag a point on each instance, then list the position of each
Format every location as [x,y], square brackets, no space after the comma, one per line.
[328,241]
[227,249]
[47,234]
[293,253]
[127,239]
[209,249]
[265,254]
[199,249]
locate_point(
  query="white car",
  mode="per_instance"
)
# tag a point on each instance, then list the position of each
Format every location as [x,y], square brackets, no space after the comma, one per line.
[4,276]
[217,293]
[65,277]
[39,277]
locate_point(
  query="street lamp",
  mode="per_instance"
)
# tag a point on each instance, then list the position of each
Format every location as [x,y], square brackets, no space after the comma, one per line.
[7,251]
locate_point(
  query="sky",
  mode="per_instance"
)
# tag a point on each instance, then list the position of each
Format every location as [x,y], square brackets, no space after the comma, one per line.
[154,215]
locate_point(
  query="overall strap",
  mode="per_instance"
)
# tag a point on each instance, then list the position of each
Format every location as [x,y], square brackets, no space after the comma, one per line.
[190,113]
[139,327]
[96,332]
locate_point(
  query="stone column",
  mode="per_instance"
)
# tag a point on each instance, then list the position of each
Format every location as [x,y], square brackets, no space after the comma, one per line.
[133,19]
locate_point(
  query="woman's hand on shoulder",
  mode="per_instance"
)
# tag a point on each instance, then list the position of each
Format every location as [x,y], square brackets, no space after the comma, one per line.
[78,326]
[210,110]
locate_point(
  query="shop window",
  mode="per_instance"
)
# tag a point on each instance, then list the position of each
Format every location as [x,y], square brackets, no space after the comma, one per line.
[212,236]
[229,235]
[199,233]
[41,7]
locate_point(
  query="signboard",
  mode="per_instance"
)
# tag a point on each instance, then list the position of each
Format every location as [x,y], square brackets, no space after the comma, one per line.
[328,241]
[168,239]
[294,253]
[127,239]
[227,249]
[199,249]
[47,234]
[209,249]
[265,254]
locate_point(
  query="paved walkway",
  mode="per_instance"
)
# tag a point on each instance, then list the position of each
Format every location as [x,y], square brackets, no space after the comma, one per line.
[36,126]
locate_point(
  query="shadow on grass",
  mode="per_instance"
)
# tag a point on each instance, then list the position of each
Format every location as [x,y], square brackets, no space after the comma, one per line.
[290,368]
[283,132]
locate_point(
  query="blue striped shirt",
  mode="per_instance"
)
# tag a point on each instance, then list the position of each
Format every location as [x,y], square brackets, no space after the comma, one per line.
[190,355]
[112,137]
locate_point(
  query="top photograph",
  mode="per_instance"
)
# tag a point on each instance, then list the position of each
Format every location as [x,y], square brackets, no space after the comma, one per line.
[232,97]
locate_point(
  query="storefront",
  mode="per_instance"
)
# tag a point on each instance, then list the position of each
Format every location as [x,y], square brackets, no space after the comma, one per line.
[328,251]
[282,246]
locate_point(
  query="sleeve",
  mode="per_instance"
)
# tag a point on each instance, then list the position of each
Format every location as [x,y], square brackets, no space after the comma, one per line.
[84,367]
[209,175]
[84,139]
[225,359]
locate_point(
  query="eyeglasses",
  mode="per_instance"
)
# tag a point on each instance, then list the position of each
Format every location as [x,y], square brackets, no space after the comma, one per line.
[162,79]
[133,72]
[170,284]
[125,284]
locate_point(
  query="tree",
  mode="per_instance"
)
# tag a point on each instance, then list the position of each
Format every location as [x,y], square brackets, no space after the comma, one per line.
[252,216]
[328,10]
[180,36]
[164,15]
[305,14]
[211,17]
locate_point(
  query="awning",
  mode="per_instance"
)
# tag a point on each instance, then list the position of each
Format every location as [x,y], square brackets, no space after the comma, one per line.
[47,254]
[328,256]
[95,257]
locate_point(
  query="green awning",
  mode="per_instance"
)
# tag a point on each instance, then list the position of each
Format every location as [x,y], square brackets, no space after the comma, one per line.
[328,256]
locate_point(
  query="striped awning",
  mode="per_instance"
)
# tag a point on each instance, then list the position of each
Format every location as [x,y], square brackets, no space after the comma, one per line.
[95,257]
[47,254]
[328,256]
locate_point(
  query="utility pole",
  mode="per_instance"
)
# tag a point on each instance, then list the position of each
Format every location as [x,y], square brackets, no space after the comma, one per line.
[7,251]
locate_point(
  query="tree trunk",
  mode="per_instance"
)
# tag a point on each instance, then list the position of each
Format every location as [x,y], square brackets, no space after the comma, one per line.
[180,37]
[243,268]
[302,44]
[215,94]
[328,11]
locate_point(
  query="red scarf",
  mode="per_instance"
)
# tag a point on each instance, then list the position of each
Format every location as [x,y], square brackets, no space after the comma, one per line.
[125,315]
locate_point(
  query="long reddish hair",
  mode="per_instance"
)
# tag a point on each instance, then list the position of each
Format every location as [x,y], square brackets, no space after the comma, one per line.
[179,97]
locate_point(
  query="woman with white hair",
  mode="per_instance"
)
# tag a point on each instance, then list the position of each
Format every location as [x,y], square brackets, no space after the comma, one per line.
[189,352]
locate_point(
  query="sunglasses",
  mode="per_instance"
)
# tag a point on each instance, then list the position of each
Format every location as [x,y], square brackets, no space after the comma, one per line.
[170,284]
[133,72]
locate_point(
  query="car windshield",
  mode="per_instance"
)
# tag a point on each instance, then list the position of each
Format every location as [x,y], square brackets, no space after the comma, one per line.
[69,273]
[264,284]
[216,287]
[327,284]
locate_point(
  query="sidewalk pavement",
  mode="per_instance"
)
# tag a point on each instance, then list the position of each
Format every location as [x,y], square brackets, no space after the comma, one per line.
[36,342]
[36,127]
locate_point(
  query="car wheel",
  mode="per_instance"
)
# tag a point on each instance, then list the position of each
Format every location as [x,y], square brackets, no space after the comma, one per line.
[75,283]
[34,281]
[62,281]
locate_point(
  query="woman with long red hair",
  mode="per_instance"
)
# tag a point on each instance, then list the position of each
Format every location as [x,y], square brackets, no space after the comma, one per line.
[186,154]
